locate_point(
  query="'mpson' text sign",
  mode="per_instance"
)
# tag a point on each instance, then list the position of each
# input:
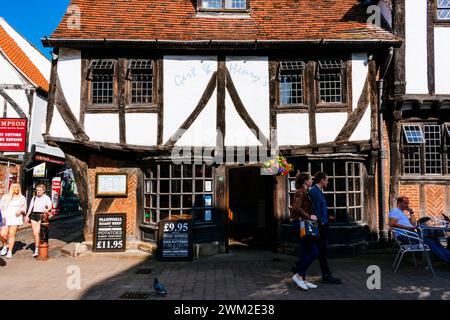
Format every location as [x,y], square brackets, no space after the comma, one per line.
[13,135]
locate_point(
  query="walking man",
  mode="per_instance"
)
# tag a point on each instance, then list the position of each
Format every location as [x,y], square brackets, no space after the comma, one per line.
[321,211]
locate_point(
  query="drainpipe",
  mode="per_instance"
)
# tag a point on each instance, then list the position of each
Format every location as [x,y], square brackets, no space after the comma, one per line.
[382,153]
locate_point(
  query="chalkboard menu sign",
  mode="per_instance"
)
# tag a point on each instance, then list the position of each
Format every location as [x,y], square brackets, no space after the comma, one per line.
[110,232]
[175,240]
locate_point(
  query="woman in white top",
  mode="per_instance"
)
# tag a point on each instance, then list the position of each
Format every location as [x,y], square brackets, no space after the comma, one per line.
[39,205]
[13,206]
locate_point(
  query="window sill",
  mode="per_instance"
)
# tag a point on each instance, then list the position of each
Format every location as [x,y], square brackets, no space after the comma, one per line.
[223,13]
[427,179]
[295,108]
[331,107]
[141,108]
[101,108]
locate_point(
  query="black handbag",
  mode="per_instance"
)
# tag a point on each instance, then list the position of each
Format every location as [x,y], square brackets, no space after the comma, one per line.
[309,229]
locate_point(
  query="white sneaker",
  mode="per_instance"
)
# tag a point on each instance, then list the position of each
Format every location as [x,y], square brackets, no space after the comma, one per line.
[9,255]
[4,251]
[310,285]
[299,282]
[36,252]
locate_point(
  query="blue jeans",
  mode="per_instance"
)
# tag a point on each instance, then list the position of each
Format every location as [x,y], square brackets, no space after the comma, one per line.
[435,246]
[309,251]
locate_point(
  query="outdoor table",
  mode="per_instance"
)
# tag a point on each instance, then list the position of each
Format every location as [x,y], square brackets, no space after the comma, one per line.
[433,225]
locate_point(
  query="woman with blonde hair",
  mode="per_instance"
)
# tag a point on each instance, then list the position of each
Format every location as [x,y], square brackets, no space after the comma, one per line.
[40,205]
[13,206]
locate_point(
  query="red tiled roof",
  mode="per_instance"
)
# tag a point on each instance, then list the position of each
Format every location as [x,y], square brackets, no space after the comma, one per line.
[16,55]
[178,20]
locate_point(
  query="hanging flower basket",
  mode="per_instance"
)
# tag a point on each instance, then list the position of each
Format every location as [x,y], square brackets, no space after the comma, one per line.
[277,167]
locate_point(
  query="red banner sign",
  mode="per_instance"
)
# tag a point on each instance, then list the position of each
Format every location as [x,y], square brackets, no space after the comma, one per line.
[56,194]
[13,134]
[39,157]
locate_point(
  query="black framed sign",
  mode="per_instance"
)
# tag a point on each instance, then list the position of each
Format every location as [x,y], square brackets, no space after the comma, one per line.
[175,240]
[110,232]
[111,185]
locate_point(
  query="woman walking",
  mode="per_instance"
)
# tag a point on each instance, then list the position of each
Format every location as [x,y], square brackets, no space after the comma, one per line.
[302,211]
[40,204]
[13,206]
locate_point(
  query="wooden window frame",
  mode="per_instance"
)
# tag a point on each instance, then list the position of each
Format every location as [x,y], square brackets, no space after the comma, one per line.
[346,104]
[193,178]
[445,144]
[347,191]
[223,9]
[91,107]
[142,107]
[304,107]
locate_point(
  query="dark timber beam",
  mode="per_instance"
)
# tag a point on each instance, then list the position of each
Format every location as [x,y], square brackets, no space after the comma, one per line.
[206,96]
[67,114]
[13,104]
[240,108]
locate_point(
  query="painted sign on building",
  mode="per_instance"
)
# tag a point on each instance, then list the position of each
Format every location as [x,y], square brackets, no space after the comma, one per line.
[13,134]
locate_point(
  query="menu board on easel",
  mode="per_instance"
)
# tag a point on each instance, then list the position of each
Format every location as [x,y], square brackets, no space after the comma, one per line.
[175,240]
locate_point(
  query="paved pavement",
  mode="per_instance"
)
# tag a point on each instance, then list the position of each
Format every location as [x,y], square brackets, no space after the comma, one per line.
[243,274]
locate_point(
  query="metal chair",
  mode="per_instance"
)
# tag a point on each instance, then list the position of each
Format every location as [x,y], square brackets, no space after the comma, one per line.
[409,241]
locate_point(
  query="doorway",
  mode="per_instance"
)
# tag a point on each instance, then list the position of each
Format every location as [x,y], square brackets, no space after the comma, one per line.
[250,209]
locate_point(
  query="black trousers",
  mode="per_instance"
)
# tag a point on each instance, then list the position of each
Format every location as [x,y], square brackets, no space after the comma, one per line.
[324,231]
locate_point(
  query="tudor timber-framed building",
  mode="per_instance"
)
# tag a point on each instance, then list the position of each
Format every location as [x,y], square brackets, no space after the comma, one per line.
[418,104]
[138,79]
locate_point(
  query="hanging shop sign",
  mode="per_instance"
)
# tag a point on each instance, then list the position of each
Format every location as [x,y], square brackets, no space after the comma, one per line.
[175,240]
[39,157]
[110,232]
[111,185]
[39,170]
[13,135]
[56,195]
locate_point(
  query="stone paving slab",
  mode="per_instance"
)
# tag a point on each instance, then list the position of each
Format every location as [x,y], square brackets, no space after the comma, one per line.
[242,274]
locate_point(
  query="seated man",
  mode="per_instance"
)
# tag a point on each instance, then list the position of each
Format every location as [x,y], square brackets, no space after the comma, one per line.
[398,219]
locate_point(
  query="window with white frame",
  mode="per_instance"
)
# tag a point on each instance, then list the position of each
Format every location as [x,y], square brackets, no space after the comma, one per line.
[291,79]
[344,193]
[223,4]
[178,189]
[443,10]
[422,151]
[101,75]
[331,81]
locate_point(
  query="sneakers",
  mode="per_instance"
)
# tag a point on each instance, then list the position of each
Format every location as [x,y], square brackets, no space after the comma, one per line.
[331,280]
[36,252]
[4,251]
[9,255]
[310,285]
[300,283]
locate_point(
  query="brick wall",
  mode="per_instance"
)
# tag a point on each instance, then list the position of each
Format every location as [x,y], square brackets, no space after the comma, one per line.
[412,191]
[434,200]
[127,204]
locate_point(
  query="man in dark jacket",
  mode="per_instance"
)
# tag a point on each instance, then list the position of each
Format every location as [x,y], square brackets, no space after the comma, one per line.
[320,209]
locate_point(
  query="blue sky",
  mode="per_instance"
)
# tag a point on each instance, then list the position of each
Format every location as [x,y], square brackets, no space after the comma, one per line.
[34,18]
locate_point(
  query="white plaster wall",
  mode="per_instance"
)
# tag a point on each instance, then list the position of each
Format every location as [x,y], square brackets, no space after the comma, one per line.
[102,127]
[8,74]
[416,47]
[250,76]
[69,72]
[20,98]
[237,133]
[58,127]
[328,126]
[141,128]
[203,131]
[293,129]
[37,127]
[185,80]
[442,59]
[38,59]
[362,131]
[359,74]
